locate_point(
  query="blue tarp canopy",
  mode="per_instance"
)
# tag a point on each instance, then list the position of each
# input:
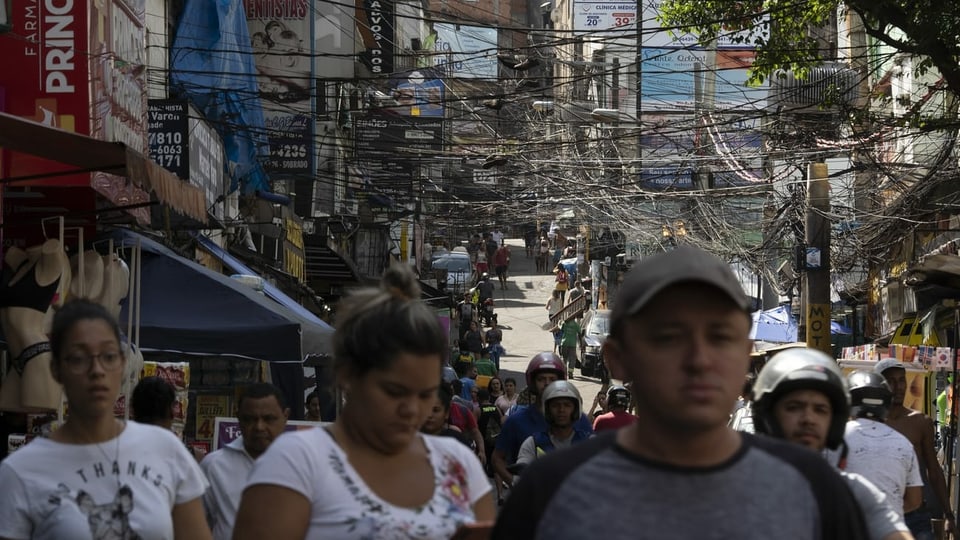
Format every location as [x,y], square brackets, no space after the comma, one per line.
[777,325]
[190,309]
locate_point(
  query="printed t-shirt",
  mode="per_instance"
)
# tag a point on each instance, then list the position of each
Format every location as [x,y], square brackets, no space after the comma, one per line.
[122,488]
[311,463]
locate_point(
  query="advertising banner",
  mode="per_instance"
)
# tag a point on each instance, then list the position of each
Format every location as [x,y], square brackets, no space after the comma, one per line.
[673,145]
[669,80]
[79,65]
[466,52]
[280,35]
[376,25]
[418,96]
[600,16]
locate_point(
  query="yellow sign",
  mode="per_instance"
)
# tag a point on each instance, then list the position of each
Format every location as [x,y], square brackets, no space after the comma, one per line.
[818,327]
[208,408]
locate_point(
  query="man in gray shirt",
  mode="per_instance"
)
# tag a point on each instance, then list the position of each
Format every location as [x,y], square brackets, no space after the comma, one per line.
[679,331]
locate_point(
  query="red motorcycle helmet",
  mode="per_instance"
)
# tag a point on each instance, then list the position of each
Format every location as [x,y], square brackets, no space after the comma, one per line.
[545,361]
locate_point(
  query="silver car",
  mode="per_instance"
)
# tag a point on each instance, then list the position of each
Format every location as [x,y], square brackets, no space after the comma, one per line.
[454,272]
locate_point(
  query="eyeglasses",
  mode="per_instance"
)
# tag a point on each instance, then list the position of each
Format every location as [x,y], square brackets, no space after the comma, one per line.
[81,363]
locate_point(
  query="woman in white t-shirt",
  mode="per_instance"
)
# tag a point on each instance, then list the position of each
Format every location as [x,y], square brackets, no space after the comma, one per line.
[371,474]
[97,477]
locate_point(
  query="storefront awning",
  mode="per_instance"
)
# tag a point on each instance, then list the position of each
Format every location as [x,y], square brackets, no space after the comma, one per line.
[89,154]
[190,309]
[316,332]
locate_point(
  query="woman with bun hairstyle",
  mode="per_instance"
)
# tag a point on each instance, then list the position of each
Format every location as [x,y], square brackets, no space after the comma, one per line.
[372,474]
[96,476]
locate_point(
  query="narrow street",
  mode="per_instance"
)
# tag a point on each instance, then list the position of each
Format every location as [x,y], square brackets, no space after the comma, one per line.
[521,313]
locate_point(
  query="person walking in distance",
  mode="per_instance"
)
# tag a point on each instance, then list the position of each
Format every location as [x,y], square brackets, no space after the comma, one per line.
[570,343]
[501,262]
[263,417]
[918,428]
[679,330]
[801,396]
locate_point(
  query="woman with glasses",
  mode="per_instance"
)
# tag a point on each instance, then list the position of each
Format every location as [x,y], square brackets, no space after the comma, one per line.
[95,473]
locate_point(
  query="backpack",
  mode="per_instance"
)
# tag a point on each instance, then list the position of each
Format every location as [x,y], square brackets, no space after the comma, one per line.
[490,418]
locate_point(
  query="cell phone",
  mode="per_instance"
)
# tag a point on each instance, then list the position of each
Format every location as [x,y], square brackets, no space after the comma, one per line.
[474,531]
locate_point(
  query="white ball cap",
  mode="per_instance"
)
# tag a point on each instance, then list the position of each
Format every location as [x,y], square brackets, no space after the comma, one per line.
[888,363]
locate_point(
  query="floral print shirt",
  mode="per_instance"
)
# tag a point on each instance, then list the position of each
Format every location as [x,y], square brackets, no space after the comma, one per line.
[342,506]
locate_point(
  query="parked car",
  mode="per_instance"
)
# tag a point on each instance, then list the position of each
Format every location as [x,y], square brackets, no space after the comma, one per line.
[453,272]
[596,327]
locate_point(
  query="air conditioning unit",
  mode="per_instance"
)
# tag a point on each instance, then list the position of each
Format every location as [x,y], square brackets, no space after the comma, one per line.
[824,90]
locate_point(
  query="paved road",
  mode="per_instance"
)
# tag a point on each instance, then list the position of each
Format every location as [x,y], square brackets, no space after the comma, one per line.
[521,312]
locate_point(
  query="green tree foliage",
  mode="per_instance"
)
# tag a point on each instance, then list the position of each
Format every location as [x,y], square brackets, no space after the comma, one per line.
[926,29]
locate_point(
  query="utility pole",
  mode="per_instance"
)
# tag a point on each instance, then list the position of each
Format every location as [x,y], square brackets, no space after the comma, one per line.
[816,286]
[638,105]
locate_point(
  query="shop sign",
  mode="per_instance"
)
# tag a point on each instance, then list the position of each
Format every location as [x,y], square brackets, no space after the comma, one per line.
[78,65]
[375,20]
[186,145]
[227,429]
[389,149]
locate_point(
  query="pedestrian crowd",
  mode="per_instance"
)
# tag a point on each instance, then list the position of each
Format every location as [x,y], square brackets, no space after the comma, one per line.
[419,452]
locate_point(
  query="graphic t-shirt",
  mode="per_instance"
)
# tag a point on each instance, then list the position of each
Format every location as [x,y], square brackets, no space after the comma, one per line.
[883,456]
[342,506]
[124,488]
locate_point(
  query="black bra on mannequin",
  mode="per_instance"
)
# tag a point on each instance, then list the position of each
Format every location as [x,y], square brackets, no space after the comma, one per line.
[26,292]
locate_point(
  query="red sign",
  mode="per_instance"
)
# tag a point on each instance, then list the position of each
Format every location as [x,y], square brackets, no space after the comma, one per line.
[78,65]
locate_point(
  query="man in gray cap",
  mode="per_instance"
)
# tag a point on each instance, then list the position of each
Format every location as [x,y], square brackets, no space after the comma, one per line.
[918,429]
[679,330]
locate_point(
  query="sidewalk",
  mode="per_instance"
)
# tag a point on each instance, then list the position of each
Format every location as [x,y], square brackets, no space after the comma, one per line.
[521,312]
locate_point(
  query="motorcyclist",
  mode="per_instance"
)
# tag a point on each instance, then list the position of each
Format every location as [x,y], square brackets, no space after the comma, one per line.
[561,407]
[616,417]
[485,287]
[801,396]
[525,420]
[877,451]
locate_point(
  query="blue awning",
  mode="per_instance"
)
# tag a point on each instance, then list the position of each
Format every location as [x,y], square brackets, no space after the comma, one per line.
[188,308]
[316,333]
[269,289]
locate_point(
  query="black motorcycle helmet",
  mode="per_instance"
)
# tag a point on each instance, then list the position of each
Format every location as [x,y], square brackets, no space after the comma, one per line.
[800,369]
[870,395]
[618,396]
